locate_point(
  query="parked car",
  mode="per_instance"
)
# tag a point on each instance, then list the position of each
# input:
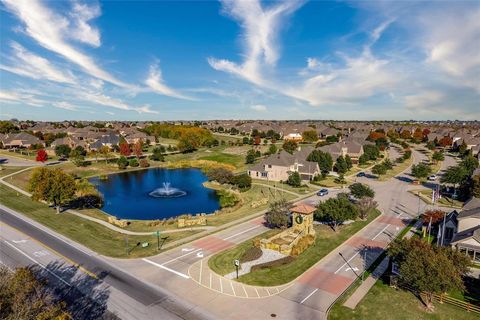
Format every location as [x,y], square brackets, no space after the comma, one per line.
[352,198]
[322,192]
[361,174]
[432,177]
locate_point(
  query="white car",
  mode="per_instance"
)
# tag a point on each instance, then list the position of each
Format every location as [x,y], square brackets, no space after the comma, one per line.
[432,177]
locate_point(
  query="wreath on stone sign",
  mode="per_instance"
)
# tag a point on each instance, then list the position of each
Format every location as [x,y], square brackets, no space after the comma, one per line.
[299,219]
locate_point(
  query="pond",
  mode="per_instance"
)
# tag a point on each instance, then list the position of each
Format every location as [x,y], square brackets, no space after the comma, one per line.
[156,193]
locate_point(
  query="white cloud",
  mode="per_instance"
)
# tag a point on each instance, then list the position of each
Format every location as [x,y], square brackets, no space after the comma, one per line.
[65,105]
[52,30]
[21,98]
[104,100]
[425,99]
[259,107]
[82,31]
[155,82]
[27,64]
[261,27]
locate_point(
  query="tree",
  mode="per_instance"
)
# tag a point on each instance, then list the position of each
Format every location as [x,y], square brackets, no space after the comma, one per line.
[310,136]
[438,156]
[371,151]
[388,164]
[470,163]
[125,149]
[335,211]
[363,159]
[324,160]
[348,161]
[278,215]
[250,157]
[445,142]
[221,175]
[435,215]
[455,175]
[137,149]
[242,181]
[22,296]
[77,157]
[331,139]
[42,156]
[294,179]
[406,134]
[52,185]
[429,269]
[272,149]
[157,153]
[7,127]
[360,190]
[379,169]
[365,205]
[122,163]
[421,170]
[62,151]
[341,165]
[144,163]
[462,149]
[290,146]
[105,151]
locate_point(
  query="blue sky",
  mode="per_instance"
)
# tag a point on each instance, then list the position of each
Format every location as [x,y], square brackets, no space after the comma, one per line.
[160,60]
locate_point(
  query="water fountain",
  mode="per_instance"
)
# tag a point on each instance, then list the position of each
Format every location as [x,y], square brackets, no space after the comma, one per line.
[167,192]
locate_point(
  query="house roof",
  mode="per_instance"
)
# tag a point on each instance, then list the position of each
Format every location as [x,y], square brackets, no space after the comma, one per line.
[472,204]
[472,233]
[472,213]
[303,209]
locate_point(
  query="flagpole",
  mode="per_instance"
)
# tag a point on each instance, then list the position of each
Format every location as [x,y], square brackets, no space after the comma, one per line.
[443,229]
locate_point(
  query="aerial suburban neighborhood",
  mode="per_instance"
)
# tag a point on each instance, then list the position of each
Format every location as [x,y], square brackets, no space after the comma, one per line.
[332,172]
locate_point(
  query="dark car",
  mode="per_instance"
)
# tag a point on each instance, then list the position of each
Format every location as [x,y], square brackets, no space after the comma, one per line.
[361,174]
[322,192]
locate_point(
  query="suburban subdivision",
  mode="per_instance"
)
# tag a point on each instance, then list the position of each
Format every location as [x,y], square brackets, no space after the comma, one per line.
[239,159]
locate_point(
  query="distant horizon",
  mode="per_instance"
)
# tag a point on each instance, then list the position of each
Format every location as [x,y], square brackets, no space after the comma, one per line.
[239,59]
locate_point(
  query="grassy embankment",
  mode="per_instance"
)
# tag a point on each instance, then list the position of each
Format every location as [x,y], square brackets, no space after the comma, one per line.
[326,240]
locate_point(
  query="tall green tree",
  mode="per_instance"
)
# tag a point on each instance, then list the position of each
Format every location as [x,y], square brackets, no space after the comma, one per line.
[278,215]
[290,146]
[335,211]
[341,165]
[310,136]
[429,269]
[348,161]
[324,160]
[63,150]
[360,190]
[438,156]
[421,170]
[294,179]
[52,185]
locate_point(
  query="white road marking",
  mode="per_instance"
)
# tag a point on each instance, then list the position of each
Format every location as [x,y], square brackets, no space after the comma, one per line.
[231,284]
[200,254]
[187,249]
[167,269]
[257,292]
[40,253]
[38,263]
[221,284]
[183,255]
[354,269]
[343,265]
[210,280]
[19,241]
[381,231]
[311,294]
[201,269]
[242,232]
[245,290]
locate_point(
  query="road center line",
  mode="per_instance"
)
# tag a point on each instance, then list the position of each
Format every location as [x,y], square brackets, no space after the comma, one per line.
[242,232]
[311,294]
[388,225]
[343,265]
[183,275]
[38,263]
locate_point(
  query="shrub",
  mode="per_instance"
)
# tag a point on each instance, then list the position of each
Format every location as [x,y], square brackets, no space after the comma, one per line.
[294,179]
[272,264]
[227,199]
[221,175]
[133,163]
[122,163]
[251,254]
[242,181]
[144,163]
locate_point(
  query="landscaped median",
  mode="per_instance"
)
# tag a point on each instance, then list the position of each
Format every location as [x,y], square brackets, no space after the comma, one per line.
[326,241]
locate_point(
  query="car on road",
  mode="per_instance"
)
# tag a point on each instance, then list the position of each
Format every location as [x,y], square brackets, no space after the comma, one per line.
[322,192]
[361,174]
[432,177]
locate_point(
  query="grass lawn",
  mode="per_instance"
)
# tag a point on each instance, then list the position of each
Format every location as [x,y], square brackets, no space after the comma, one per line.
[4,170]
[283,186]
[90,234]
[384,302]
[222,264]
[397,169]
[329,182]
[426,196]
[326,240]
[232,159]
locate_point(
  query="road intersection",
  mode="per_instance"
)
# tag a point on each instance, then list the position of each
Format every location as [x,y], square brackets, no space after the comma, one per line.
[159,281]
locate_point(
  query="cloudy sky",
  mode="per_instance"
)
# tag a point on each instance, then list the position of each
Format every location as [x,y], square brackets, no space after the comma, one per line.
[160,60]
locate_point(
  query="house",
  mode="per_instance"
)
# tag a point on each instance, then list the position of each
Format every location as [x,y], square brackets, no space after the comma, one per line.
[278,167]
[467,236]
[351,147]
[109,140]
[294,136]
[21,140]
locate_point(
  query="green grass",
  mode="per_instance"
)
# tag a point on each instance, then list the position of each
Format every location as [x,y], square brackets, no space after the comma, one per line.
[426,196]
[329,182]
[326,240]
[4,170]
[92,235]
[222,263]
[232,159]
[283,186]
[397,169]
[384,302]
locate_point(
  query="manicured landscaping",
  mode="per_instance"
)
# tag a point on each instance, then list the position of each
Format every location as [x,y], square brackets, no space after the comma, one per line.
[326,240]
[426,196]
[90,234]
[377,304]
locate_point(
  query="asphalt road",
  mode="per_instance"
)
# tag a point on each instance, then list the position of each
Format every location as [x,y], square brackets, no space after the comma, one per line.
[166,305]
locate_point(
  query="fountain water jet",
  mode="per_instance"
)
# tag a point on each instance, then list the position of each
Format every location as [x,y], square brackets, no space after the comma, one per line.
[167,192]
